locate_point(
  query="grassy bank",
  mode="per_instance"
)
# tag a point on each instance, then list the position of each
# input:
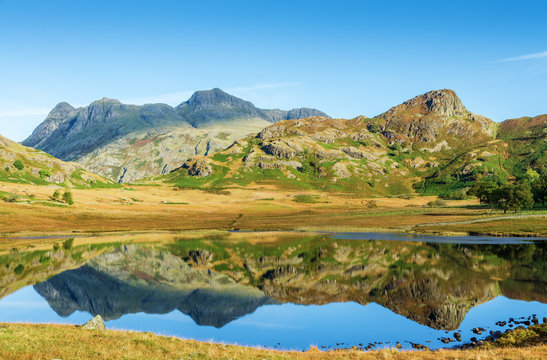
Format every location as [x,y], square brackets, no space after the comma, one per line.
[25,341]
[161,207]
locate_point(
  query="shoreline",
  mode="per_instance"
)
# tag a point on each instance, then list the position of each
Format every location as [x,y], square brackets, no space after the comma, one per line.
[18,341]
[40,235]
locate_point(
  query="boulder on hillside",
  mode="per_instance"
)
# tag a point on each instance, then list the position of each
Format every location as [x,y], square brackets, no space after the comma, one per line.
[198,167]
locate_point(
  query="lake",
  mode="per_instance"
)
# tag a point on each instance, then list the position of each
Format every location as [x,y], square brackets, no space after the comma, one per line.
[283,290]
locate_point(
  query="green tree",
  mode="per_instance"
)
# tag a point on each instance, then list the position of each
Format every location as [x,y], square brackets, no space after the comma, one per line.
[513,197]
[531,176]
[539,189]
[55,195]
[67,198]
[18,164]
[484,191]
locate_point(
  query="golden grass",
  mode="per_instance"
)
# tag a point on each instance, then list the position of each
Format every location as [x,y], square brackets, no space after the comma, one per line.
[26,341]
[143,208]
[523,226]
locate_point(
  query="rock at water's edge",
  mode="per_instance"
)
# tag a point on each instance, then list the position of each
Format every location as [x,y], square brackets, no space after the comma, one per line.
[96,323]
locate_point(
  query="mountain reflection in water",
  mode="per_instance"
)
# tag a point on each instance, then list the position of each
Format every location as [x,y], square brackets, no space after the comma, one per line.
[216,280]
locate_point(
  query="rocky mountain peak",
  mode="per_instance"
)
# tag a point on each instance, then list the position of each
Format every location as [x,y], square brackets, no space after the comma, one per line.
[442,103]
[436,113]
[104,101]
[300,113]
[56,116]
[207,98]
[62,109]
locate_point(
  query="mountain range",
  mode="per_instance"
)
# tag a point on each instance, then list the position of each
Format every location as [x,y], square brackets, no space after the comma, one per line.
[128,142]
[430,144]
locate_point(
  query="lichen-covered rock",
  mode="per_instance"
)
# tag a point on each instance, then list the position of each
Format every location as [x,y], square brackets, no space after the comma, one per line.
[200,257]
[282,149]
[199,167]
[341,170]
[416,163]
[359,153]
[96,323]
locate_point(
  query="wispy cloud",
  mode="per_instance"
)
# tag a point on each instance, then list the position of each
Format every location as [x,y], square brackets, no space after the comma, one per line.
[24,112]
[176,98]
[538,55]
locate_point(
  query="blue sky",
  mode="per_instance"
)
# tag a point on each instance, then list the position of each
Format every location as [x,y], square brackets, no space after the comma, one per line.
[344,57]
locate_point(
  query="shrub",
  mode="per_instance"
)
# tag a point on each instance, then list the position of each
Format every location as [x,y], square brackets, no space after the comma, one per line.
[306,199]
[67,198]
[18,164]
[461,194]
[216,191]
[371,204]
[55,195]
[11,198]
[44,173]
[56,247]
[19,269]
[436,203]
[374,127]
[67,245]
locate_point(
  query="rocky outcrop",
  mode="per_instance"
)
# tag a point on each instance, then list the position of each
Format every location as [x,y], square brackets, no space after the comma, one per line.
[199,167]
[428,117]
[96,323]
[282,149]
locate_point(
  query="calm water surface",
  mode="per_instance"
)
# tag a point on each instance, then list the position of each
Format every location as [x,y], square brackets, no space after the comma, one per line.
[285,291]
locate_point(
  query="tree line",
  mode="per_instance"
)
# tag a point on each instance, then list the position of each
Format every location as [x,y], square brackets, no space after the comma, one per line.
[523,194]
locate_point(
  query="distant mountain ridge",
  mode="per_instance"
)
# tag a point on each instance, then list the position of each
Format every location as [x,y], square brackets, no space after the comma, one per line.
[61,133]
[208,106]
[108,127]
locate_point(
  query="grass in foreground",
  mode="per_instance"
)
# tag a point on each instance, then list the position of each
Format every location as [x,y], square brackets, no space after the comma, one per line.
[26,341]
